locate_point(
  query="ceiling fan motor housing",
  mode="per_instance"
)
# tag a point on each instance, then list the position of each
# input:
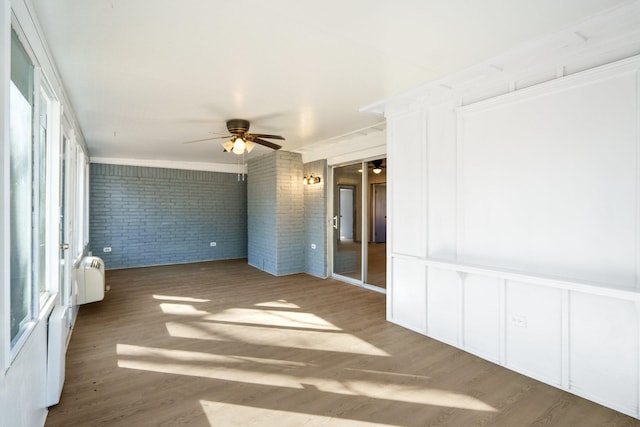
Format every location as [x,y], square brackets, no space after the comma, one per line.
[237,126]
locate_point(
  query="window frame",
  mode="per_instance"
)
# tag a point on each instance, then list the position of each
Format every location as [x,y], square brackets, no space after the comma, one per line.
[41,304]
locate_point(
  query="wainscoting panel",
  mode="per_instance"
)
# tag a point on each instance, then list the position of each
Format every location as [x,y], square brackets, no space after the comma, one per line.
[534,330]
[604,350]
[483,315]
[444,305]
[408,301]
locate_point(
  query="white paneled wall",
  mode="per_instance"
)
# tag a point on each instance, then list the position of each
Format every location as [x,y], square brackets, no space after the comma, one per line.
[409,298]
[409,160]
[603,349]
[534,331]
[547,178]
[514,226]
[444,311]
[482,323]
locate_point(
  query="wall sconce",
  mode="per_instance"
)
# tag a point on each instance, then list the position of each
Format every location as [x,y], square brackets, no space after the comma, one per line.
[310,180]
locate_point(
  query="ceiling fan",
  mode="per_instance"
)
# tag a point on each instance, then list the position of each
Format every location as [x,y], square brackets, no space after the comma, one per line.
[240,140]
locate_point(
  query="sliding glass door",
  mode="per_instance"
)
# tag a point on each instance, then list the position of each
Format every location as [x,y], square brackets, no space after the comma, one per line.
[359,223]
[347,211]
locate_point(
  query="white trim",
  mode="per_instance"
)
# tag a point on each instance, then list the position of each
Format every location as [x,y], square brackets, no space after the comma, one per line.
[364,222]
[594,75]
[343,145]
[638,182]
[53,194]
[616,35]
[502,322]
[350,149]
[169,164]
[5,279]
[637,414]
[459,199]
[565,351]
[593,288]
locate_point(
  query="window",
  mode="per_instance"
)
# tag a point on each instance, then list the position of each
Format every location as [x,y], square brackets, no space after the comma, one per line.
[30,253]
[21,191]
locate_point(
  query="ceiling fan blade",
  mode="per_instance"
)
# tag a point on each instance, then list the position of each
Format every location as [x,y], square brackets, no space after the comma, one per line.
[264,135]
[207,139]
[253,138]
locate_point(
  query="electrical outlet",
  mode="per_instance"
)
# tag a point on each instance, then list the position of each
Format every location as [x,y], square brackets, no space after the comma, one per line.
[106,249]
[212,244]
[313,246]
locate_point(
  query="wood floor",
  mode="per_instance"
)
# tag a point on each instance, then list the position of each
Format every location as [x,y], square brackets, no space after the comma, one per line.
[223,344]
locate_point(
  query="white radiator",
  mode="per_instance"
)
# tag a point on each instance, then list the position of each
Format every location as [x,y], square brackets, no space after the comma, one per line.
[56,349]
[90,280]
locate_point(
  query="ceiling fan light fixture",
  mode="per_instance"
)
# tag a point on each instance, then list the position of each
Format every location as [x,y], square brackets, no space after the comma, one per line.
[228,146]
[239,145]
[377,166]
[240,140]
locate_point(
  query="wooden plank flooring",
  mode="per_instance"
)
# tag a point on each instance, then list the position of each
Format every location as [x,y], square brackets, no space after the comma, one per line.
[223,344]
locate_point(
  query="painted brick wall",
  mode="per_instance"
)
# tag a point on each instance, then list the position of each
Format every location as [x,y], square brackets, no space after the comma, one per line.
[275,212]
[262,213]
[156,216]
[290,213]
[315,220]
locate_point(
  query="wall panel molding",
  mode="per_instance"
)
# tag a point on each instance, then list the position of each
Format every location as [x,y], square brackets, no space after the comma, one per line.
[544,178]
[556,170]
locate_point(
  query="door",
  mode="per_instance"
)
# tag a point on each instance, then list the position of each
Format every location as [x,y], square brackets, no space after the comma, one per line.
[380,208]
[377,249]
[347,247]
[359,231]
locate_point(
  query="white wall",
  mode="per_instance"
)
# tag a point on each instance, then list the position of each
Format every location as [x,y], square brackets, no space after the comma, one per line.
[547,178]
[514,219]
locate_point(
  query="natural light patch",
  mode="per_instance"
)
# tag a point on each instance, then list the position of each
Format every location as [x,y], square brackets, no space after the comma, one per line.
[287,319]
[387,373]
[410,394]
[181,309]
[278,337]
[196,356]
[219,413]
[285,374]
[176,298]
[251,370]
[281,303]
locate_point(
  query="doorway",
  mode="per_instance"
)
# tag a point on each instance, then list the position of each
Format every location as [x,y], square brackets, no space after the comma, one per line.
[359,231]
[347,248]
[347,205]
[380,213]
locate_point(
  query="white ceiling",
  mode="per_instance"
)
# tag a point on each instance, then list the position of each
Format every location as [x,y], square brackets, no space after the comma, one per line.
[145,75]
